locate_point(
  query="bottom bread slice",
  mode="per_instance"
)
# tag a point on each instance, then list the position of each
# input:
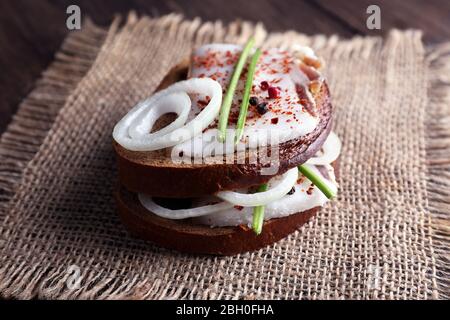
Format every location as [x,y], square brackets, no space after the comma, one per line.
[184,236]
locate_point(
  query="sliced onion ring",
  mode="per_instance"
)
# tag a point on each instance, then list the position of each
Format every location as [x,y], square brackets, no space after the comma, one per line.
[176,102]
[179,214]
[280,189]
[331,150]
[133,131]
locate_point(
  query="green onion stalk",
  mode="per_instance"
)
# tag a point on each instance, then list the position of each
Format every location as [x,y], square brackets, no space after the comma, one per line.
[245,99]
[317,181]
[258,213]
[228,99]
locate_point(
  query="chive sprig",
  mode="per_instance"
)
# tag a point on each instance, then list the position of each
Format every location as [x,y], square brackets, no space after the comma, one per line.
[258,213]
[228,99]
[317,181]
[246,97]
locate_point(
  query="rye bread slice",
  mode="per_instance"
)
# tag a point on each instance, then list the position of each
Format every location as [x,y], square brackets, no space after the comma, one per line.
[154,173]
[182,235]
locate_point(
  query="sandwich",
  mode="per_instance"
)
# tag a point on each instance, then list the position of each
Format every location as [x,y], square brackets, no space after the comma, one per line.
[233,152]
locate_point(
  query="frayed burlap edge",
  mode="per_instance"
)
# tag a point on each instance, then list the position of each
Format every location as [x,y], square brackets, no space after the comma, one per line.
[36,113]
[34,118]
[438,161]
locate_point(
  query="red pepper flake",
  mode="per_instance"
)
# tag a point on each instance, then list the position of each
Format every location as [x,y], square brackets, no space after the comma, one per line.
[274,120]
[234,116]
[203,103]
[310,189]
[276,80]
[239,207]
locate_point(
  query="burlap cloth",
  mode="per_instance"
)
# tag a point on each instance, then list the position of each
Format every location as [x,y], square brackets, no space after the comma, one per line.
[385,237]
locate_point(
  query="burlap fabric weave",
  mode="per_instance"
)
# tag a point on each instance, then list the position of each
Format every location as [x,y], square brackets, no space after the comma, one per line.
[385,237]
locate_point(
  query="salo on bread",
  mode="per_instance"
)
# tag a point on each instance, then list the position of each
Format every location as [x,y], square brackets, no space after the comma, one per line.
[233,152]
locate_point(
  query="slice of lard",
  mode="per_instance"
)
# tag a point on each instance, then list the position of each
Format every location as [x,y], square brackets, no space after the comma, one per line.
[286,117]
[303,197]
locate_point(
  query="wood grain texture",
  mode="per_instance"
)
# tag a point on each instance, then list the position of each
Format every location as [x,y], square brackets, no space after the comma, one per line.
[433,17]
[32,31]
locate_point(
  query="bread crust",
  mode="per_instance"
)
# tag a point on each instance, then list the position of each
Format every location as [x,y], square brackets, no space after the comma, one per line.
[155,174]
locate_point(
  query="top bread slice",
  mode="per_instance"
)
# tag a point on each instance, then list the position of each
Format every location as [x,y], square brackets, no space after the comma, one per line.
[154,173]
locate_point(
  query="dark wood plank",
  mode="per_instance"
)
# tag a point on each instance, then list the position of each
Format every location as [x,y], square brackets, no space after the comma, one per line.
[27,46]
[276,15]
[433,17]
[31,31]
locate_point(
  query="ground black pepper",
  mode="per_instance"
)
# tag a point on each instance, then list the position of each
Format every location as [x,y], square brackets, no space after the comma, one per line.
[262,108]
[253,101]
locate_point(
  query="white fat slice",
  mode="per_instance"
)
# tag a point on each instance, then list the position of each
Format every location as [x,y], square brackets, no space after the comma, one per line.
[286,118]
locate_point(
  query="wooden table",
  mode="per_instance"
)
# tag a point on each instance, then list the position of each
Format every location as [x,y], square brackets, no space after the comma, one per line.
[32,31]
